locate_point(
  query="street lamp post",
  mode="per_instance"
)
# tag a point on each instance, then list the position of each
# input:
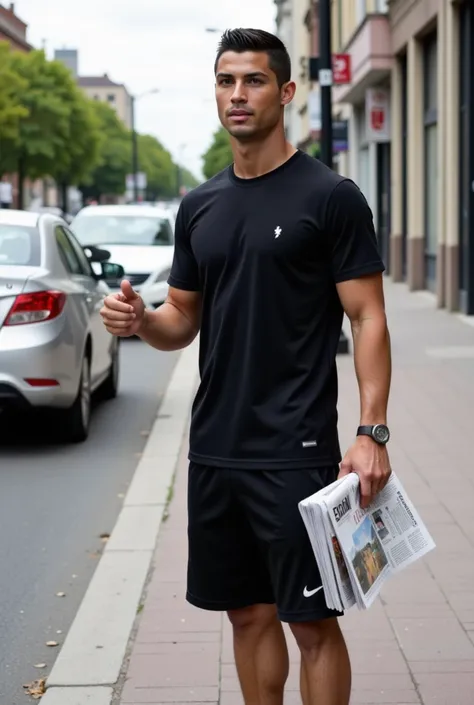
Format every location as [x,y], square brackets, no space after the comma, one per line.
[135,165]
[134,152]
[325,81]
[325,85]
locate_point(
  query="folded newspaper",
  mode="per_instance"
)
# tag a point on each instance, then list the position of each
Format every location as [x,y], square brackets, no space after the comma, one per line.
[358,549]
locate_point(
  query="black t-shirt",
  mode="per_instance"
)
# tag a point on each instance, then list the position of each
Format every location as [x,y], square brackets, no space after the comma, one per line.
[266,254]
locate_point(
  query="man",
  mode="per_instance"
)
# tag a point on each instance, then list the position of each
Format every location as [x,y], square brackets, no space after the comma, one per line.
[269,254]
[6,193]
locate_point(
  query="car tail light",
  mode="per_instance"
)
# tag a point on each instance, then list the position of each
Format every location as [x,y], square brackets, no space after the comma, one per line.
[36,307]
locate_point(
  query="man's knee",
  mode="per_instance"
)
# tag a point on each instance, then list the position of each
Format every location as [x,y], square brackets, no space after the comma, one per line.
[312,637]
[257,617]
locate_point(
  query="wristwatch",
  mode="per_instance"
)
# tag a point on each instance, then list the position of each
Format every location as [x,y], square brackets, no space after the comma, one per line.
[379,433]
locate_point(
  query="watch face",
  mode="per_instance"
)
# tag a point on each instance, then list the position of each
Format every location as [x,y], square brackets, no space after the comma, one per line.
[381,433]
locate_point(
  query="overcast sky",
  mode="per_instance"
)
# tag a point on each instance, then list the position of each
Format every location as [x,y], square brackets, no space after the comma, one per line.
[151,44]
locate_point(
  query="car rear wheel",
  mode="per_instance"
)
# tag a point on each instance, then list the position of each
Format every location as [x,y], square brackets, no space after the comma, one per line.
[110,386]
[76,419]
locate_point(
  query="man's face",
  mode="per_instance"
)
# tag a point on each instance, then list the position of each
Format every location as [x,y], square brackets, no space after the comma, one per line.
[249,100]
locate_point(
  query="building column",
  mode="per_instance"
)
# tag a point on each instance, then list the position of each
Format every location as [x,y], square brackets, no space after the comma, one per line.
[415,168]
[373,191]
[452,159]
[354,131]
[396,215]
[442,89]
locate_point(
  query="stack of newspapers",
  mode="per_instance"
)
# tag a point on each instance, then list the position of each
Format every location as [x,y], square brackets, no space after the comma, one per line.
[358,549]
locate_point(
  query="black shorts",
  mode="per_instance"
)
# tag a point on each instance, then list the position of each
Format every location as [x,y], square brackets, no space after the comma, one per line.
[248,543]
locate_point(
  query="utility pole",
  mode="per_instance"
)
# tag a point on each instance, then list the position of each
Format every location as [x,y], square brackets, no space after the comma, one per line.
[134,150]
[325,81]
[325,85]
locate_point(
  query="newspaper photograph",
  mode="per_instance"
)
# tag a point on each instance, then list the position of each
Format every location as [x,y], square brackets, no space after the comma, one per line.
[362,548]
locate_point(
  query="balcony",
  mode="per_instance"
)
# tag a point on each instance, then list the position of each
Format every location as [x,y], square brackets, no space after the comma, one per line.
[370,48]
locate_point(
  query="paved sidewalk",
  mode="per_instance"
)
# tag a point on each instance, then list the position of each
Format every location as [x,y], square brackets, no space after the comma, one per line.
[416,644]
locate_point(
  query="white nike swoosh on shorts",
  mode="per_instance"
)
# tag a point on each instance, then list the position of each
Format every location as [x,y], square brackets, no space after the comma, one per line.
[310,593]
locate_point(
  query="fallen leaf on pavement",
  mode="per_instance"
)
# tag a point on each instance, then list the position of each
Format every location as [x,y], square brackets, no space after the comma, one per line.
[36,689]
[52,643]
[40,665]
[105,537]
[60,594]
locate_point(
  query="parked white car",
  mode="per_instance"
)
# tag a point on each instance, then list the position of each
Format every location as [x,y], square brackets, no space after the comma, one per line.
[138,237]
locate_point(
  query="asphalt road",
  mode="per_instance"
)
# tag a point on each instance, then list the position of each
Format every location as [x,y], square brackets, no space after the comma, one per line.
[55,502]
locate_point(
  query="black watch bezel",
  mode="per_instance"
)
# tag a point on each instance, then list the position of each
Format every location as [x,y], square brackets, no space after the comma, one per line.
[378,432]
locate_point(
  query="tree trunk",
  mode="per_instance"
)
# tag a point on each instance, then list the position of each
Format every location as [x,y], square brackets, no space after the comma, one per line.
[64,199]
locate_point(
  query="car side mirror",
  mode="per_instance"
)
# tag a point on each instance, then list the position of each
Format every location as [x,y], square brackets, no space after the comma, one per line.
[111,271]
[96,254]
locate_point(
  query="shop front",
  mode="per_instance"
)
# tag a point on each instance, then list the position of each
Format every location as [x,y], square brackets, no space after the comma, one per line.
[368,94]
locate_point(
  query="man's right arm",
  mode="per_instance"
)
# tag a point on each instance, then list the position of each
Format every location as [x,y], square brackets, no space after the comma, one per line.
[175,324]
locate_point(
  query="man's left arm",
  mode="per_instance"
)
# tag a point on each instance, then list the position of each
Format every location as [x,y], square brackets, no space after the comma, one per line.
[357,270]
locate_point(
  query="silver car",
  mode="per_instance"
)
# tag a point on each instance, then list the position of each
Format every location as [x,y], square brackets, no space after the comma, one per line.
[54,349]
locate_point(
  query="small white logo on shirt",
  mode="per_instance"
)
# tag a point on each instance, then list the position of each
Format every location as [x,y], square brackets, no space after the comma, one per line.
[310,593]
[278,231]
[309,444]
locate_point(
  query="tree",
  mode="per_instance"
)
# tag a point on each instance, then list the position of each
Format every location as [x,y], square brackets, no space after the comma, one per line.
[12,87]
[58,137]
[218,155]
[115,155]
[156,162]
[187,178]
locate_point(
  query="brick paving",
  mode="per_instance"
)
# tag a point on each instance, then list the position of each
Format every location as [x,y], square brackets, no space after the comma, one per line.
[416,644]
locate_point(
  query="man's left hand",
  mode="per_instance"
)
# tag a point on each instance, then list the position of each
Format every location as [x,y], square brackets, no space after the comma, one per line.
[370,461]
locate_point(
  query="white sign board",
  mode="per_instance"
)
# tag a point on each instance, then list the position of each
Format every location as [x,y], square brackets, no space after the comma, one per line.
[141,181]
[377,114]
[314,110]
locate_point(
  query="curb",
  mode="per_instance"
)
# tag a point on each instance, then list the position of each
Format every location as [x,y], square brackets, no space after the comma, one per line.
[90,661]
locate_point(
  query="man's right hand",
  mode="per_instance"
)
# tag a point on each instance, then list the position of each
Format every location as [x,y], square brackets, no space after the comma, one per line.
[123,314]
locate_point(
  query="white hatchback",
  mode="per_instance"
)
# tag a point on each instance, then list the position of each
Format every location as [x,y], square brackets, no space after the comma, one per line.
[140,238]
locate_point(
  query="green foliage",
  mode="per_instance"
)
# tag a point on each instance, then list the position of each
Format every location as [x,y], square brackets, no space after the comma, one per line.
[12,87]
[218,155]
[188,179]
[114,158]
[57,136]
[48,127]
[157,163]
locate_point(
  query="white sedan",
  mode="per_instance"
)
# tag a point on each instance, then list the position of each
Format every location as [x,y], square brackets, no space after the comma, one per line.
[140,238]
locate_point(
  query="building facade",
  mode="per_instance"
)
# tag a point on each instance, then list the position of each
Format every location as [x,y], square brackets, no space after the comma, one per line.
[432,81]
[13,29]
[293,28]
[70,59]
[410,111]
[114,94]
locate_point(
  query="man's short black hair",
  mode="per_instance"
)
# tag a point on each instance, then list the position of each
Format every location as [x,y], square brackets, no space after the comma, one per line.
[240,40]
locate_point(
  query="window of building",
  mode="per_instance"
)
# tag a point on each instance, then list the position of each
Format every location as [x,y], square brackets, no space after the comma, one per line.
[431,158]
[111,98]
[381,6]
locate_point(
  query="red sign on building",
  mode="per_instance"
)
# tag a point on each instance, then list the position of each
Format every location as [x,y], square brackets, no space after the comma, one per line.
[341,68]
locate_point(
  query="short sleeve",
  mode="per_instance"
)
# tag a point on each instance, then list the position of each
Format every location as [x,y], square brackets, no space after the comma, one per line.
[350,228]
[184,269]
